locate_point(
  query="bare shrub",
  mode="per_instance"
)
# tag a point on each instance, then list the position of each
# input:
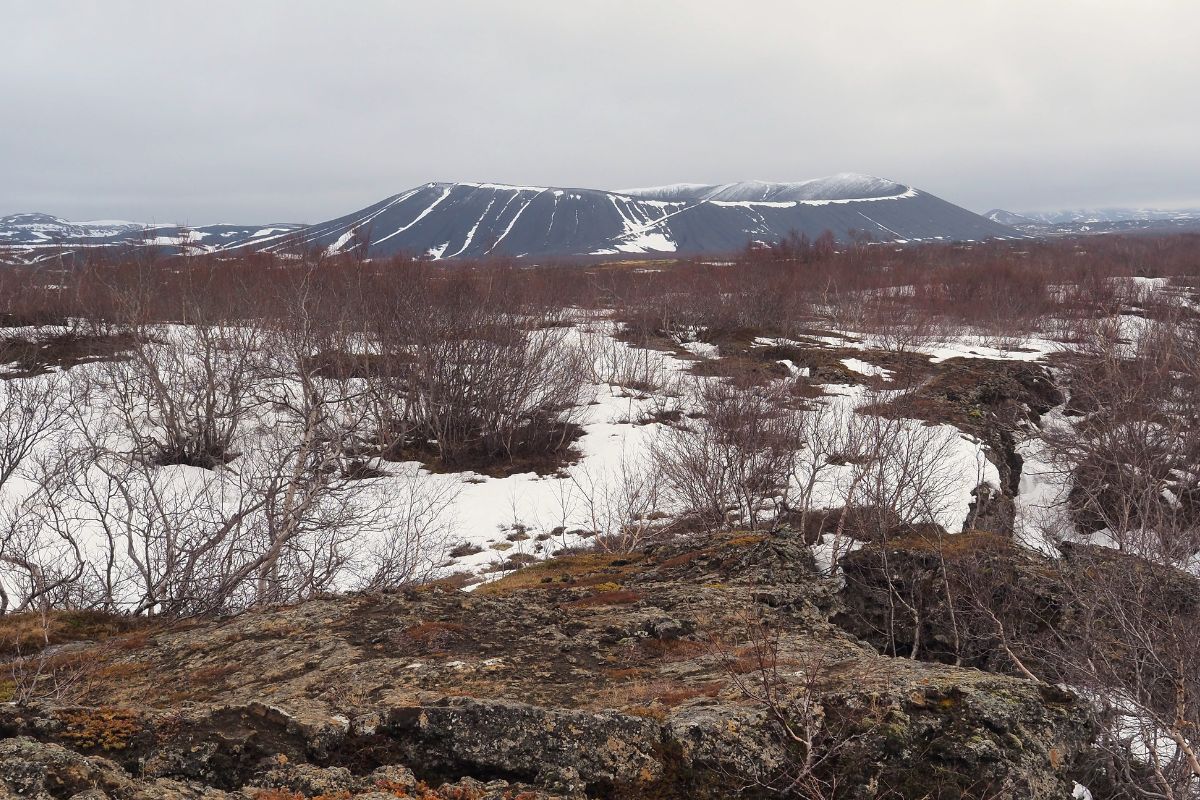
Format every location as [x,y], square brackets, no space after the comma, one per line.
[290,519]
[42,677]
[300,473]
[622,505]
[162,543]
[730,466]
[1131,449]
[1128,452]
[31,413]
[643,374]
[485,381]
[184,392]
[896,325]
[414,536]
[614,362]
[1129,645]
[36,567]
[906,473]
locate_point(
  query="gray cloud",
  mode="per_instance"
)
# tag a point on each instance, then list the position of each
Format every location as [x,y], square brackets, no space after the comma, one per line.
[303,110]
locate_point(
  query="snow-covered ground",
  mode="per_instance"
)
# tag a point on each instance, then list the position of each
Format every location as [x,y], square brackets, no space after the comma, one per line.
[535,515]
[1041,515]
[488,509]
[540,512]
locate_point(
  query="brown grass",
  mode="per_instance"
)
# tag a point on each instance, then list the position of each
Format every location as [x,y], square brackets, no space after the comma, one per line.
[623,674]
[658,713]
[27,633]
[276,794]
[205,676]
[585,569]
[746,540]
[452,582]
[121,671]
[132,641]
[677,696]
[682,559]
[435,632]
[672,649]
[665,694]
[741,665]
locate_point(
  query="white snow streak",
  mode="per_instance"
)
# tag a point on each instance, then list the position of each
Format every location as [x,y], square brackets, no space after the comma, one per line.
[421,216]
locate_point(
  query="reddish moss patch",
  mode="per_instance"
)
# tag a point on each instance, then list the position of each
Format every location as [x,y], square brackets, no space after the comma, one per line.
[585,569]
[106,728]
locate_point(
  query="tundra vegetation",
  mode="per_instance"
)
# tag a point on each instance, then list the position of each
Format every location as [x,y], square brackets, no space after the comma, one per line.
[185,437]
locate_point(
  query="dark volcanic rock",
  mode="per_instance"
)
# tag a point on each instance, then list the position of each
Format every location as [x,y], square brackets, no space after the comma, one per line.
[943,582]
[33,769]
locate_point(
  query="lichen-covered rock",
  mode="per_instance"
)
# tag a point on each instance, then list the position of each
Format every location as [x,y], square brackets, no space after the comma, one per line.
[990,737]
[41,771]
[599,675]
[693,753]
[567,750]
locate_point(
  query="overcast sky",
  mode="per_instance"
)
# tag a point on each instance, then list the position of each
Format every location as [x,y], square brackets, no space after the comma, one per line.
[270,110]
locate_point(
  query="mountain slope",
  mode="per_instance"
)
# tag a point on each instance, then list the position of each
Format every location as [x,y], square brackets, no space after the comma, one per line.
[472,220]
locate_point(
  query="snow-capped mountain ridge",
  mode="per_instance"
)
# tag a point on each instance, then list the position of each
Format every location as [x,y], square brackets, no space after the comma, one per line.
[844,186]
[1092,215]
[29,238]
[1104,220]
[1009,218]
[41,226]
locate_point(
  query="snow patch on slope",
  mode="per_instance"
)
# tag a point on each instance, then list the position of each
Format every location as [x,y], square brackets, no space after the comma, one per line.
[648,243]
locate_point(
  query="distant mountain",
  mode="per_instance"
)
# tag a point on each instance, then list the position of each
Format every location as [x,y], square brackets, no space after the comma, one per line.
[472,220]
[1102,220]
[36,228]
[34,237]
[1093,215]
[475,220]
